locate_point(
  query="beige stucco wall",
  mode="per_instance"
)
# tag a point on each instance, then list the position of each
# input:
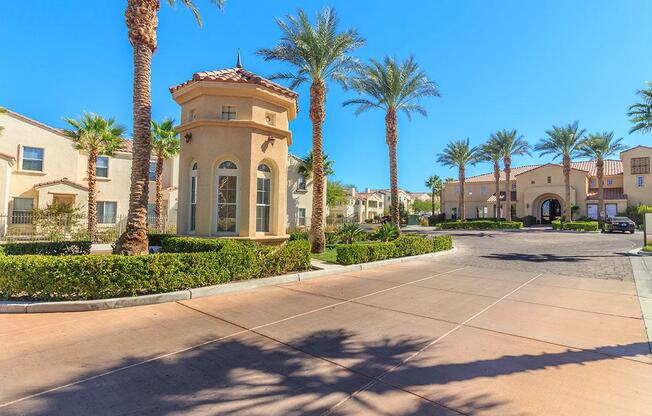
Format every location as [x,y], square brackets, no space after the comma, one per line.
[297,198]
[636,195]
[245,141]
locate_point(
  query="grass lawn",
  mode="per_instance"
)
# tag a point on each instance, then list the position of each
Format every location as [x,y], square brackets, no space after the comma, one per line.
[330,255]
[647,248]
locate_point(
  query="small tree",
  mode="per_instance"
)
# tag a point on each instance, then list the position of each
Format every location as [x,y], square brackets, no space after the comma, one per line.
[434,183]
[165,145]
[96,136]
[336,194]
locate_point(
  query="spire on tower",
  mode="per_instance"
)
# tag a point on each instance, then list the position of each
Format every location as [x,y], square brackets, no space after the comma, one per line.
[239,63]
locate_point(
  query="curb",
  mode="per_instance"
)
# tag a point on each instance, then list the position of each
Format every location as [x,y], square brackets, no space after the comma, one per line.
[643,281]
[9,307]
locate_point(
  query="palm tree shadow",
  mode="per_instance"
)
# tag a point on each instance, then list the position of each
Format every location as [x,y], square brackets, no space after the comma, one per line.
[252,374]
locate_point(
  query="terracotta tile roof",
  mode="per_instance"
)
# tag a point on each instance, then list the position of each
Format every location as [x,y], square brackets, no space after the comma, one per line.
[64,181]
[609,193]
[611,168]
[237,75]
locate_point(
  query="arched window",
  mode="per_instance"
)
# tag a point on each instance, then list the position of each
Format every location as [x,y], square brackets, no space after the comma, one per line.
[263,198]
[227,198]
[192,218]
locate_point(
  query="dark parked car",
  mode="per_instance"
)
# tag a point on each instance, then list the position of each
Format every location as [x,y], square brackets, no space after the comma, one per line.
[623,224]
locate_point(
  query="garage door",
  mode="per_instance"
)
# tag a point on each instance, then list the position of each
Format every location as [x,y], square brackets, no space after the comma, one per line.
[592,211]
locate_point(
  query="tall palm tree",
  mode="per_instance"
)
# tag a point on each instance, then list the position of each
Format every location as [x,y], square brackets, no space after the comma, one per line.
[319,53]
[434,183]
[96,136]
[599,146]
[564,142]
[142,21]
[511,143]
[392,86]
[640,114]
[492,152]
[165,145]
[305,168]
[459,153]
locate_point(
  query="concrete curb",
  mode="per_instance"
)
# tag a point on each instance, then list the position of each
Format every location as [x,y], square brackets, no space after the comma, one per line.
[7,307]
[643,280]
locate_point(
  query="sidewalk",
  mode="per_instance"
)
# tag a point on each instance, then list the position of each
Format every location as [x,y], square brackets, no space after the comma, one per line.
[642,268]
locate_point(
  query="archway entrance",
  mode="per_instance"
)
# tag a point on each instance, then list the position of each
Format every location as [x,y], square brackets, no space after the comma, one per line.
[550,210]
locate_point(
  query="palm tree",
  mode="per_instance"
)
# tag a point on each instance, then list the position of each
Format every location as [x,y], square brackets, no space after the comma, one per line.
[492,152]
[563,142]
[142,21]
[640,114]
[510,143]
[392,87]
[305,168]
[165,145]
[598,147]
[459,153]
[96,136]
[319,53]
[434,183]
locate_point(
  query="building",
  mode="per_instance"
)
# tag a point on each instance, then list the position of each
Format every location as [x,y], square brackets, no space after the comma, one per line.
[299,195]
[39,167]
[538,190]
[405,198]
[233,164]
[360,207]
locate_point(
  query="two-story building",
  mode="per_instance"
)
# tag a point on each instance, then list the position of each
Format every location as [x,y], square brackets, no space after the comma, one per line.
[299,194]
[538,190]
[39,167]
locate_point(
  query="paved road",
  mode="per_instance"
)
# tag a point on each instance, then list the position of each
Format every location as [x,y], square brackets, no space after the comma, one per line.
[596,255]
[431,337]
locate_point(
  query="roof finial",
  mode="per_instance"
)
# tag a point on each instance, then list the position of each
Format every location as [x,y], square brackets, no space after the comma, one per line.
[239,63]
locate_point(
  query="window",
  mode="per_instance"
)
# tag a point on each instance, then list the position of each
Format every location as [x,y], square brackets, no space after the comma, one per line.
[228,112]
[611,210]
[102,167]
[610,182]
[106,212]
[270,119]
[301,183]
[457,191]
[593,183]
[151,212]
[192,220]
[640,165]
[513,210]
[227,197]
[373,204]
[192,115]
[32,159]
[263,198]
[22,211]
[301,220]
[549,179]
[484,189]
[640,181]
[152,171]
[454,213]
[592,211]
[514,186]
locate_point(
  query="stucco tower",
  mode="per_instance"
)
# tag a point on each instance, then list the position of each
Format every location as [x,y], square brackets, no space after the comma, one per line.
[234,150]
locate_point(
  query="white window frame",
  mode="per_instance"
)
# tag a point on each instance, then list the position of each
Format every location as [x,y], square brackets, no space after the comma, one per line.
[41,160]
[102,219]
[301,183]
[227,172]
[640,181]
[588,211]
[301,219]
[231,112]
[265,176]
[192,199]
[98,167]
[25,215]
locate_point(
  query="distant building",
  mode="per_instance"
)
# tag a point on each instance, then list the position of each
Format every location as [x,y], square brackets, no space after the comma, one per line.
[299,196]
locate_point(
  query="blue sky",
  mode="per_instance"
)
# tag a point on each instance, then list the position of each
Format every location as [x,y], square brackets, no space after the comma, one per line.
[522,65]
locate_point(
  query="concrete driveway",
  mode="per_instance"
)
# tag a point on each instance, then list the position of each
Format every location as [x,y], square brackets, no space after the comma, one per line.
[431,337]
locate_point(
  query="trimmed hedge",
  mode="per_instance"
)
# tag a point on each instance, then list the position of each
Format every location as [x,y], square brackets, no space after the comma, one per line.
[575,225]
[49,248]
[406,245]
[174,244]
[647,248]
[100,277]
[156,239]
[481,225]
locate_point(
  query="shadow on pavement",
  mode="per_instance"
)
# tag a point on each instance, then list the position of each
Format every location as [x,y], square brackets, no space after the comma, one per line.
[544,258]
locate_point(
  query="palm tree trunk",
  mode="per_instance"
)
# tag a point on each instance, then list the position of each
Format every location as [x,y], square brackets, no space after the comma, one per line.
[600,169]
[317,115]
[391,137]
[432,197]
[462,179]
[567,190]
[159,191]
[134,240]
[92,195]
[497,183]
[508,188]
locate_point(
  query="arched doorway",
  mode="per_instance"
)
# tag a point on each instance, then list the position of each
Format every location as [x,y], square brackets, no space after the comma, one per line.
[550,210]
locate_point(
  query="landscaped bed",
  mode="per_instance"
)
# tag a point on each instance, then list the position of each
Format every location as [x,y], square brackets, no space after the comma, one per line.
[403,246]
[480,225]
[575,225]
[206,262]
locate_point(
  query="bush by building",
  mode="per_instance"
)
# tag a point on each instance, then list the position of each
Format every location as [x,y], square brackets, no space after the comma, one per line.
[406,245]
[481,225]
[49,248]
[575,225]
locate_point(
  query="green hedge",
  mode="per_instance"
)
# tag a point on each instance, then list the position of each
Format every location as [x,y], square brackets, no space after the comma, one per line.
[156,239]
[175,244]
[481,225]
[50,248]
[576,225]
[406,245]
[100,277]
[647,248]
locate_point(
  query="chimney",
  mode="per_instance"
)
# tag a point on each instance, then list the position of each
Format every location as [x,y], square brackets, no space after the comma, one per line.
[352,190]
[367,190]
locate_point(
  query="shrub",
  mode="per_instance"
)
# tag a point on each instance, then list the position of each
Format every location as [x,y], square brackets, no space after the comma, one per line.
[175,244]
[2,250]
[406,245]
[156,239]
[423,221]
[529,220]
[51,248]
[386,232]
[647,248]
[480,225]
[349,233]
[575,225]
[99,277]
[299,235]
